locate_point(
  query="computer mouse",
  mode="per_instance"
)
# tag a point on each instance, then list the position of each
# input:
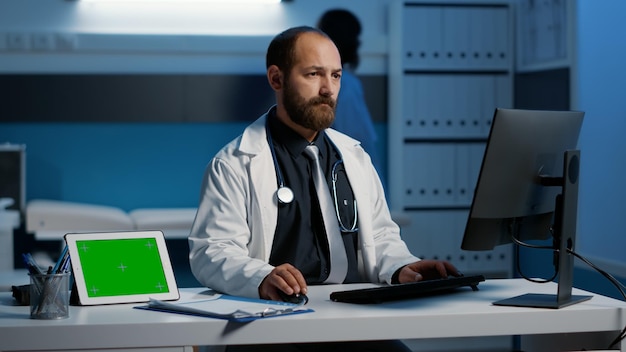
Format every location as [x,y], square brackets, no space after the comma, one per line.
[296,298]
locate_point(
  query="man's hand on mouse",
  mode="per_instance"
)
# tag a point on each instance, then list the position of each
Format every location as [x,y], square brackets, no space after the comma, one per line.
[427,269]
[285,278]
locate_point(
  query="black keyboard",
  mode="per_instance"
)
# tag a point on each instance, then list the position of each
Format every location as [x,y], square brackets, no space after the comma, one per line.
[406,291]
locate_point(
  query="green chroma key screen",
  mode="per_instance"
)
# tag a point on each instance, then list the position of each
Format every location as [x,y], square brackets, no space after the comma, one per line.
[121,267]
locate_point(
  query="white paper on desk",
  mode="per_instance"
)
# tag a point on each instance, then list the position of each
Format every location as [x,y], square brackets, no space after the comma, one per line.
[228,307]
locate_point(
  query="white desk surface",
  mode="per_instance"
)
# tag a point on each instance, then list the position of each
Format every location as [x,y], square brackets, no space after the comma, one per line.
[461,314]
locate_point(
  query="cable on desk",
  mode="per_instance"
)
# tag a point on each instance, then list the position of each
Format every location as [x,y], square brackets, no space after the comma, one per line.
[519,267]
[620,287]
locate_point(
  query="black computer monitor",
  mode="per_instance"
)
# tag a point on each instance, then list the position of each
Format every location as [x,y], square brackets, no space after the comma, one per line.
[528,190]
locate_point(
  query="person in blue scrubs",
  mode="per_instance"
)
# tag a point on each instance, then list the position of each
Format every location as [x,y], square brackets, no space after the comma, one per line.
[352,116]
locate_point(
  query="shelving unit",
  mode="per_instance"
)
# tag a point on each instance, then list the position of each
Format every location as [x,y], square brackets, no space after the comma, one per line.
[450,66]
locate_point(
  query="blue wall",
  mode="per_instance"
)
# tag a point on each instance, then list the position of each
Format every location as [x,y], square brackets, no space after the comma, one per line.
[126,165]
[144,165]
[601,54]
[601,74]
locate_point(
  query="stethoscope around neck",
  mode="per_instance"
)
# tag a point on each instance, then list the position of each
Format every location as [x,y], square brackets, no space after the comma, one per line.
[285,194]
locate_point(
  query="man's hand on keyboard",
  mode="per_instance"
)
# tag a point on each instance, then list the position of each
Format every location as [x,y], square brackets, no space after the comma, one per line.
[427,269]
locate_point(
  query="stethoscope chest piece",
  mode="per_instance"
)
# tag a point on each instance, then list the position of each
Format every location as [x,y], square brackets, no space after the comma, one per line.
[284,194]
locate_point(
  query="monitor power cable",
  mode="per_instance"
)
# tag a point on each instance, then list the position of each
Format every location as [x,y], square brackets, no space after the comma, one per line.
[620,286]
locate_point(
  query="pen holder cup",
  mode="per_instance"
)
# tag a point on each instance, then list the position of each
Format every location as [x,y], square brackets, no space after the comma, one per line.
[49,296]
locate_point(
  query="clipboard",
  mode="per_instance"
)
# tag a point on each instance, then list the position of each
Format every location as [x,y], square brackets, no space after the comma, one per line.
[232,308]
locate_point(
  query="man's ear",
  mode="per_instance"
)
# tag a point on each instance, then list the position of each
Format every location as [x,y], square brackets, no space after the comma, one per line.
[275,77]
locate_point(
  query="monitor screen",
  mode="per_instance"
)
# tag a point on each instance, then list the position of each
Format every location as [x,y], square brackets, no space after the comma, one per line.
[528,190]
[509,199]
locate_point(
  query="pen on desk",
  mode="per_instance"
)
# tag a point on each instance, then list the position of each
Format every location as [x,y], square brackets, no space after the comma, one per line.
[49,288]
[65,266]
[58,266]
[34,270]
[31,264]
[61,267]
[60,260]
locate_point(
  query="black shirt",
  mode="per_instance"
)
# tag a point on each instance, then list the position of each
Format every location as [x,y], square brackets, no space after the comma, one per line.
[300,238]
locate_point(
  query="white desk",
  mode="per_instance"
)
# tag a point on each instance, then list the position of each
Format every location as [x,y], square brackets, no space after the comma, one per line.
[463,314]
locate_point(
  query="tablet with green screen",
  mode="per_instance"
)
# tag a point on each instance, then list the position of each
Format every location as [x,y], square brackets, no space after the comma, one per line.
[121,267]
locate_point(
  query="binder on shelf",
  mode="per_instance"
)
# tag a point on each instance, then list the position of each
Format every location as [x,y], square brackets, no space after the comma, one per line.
[479,33]
[430,168]
[501,43]
[455,37]
[469,159]
[411,107]
[423,47]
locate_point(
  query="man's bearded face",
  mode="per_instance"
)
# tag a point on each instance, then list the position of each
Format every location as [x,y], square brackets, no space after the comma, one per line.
[317,113]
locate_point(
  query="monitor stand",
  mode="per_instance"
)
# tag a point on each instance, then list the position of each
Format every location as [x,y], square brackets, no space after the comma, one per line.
[565,235]
[539,300]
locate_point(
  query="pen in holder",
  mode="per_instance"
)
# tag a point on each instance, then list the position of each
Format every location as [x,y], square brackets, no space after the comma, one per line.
[49,296]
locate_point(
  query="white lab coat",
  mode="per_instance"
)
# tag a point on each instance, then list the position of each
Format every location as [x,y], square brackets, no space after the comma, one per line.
[231,238]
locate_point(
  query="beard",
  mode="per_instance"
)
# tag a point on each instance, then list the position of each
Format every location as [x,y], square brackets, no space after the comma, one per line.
[315,114]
